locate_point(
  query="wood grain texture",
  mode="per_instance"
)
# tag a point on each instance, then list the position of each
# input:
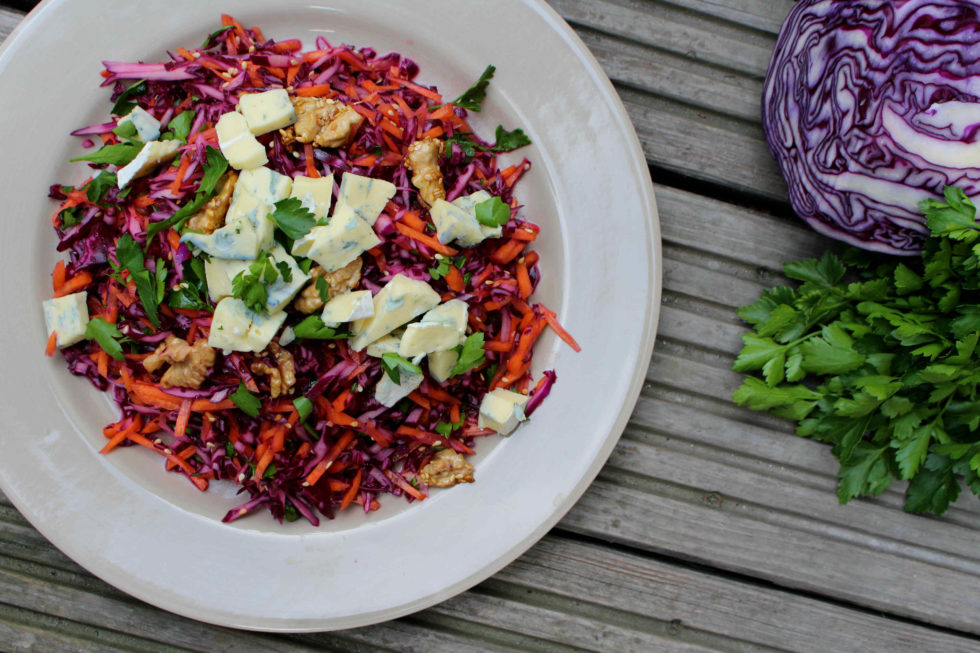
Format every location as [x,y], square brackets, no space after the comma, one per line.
[778,565]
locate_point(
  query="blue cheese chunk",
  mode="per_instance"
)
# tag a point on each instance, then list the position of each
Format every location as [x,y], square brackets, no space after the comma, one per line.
[235,328]
[348,307]
[385,345]
[281,292]
[441,364]
[468,203]
[263,184]
[147,127]
[267,111]
[426,337]
[150,156]
[237,143]
[314,193]
[219,274]
[366,196]
[236,240]
[453,313]
[455,224]
[68,316]
[246,207]
[400,300]
[502,410]
[335,245]
[388,393]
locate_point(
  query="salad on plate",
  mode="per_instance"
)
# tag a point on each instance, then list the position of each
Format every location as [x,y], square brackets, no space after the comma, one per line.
[301,272]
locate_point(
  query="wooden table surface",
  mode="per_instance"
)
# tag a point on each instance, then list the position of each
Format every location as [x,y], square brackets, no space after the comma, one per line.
[711,528]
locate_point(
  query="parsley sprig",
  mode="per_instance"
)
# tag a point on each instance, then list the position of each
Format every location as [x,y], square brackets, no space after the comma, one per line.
[880,359]
[252,285]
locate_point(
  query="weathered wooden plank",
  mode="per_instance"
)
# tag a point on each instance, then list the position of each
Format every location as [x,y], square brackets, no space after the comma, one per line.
[673,76]
[705,605]
[765,15]
[693,143]
[662,26]
[703,525]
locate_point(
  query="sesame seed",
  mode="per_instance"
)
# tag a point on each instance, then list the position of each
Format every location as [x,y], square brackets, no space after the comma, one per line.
[242,511]
[353,422]
[305,484]
[197,55]
[241,477]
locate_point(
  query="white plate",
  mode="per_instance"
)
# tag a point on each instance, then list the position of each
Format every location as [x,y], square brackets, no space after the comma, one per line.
[150,533]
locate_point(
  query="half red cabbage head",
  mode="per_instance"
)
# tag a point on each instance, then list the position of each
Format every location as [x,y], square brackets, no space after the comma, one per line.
[870,107]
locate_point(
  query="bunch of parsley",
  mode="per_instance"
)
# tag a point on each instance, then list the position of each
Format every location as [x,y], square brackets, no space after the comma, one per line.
[879,358]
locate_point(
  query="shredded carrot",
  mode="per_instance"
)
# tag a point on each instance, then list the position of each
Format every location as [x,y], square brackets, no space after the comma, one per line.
[126,377]
[180,428]
[201,483]
[352,491]
[497,345]
[400,481]
[102,364]
[419,399]
[523,279]
[52,344]
[560,330]
[454,416]
[58,275]
[122,434]
[346,439]
[313,55]
[263,463]
[74,284]
[508,251]
[317,90]
[291,73]
[185,161]
[311,170]
[412,219]
[185,54]
[434,132]
[428,241]
[290,45]
[454,279]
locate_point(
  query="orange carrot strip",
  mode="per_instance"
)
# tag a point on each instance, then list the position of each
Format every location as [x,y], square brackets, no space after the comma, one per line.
[454,279]
[126,377]
[421,90]
[560,330]
[311,170]
[346,439]
[412,219]
[291,73]
[304,450]
[317,90]
[173,238]
[102,364]
[185,161]
[336,485]
[207,135]
[205,406]
[439,394]
[143,201]
[508,251]
[419,399]
[122,434]
[434,132]
[497,345]
[180,427]
[355,62]
[428,241]
[442,113]
[313,55]
[77,282]
[523,279]
[263,463]
[185,54]
[352,491]
[201,483]
[58,275]
[290,45]
[454,414]
[393,129]
[400,481]
[524,234]
[52,345]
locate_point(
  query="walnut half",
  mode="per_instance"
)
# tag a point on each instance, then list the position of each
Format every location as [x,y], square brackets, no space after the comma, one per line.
[282,377]
[212,216]
[339,282]
[323,122]
[189,364]
[422,159]
[447,468]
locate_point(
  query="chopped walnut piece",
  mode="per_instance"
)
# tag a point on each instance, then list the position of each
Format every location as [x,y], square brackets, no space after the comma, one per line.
[339,282]
[323,122]
[423,160]
[189,364]
[446,468]
[212,216]
[282,377]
